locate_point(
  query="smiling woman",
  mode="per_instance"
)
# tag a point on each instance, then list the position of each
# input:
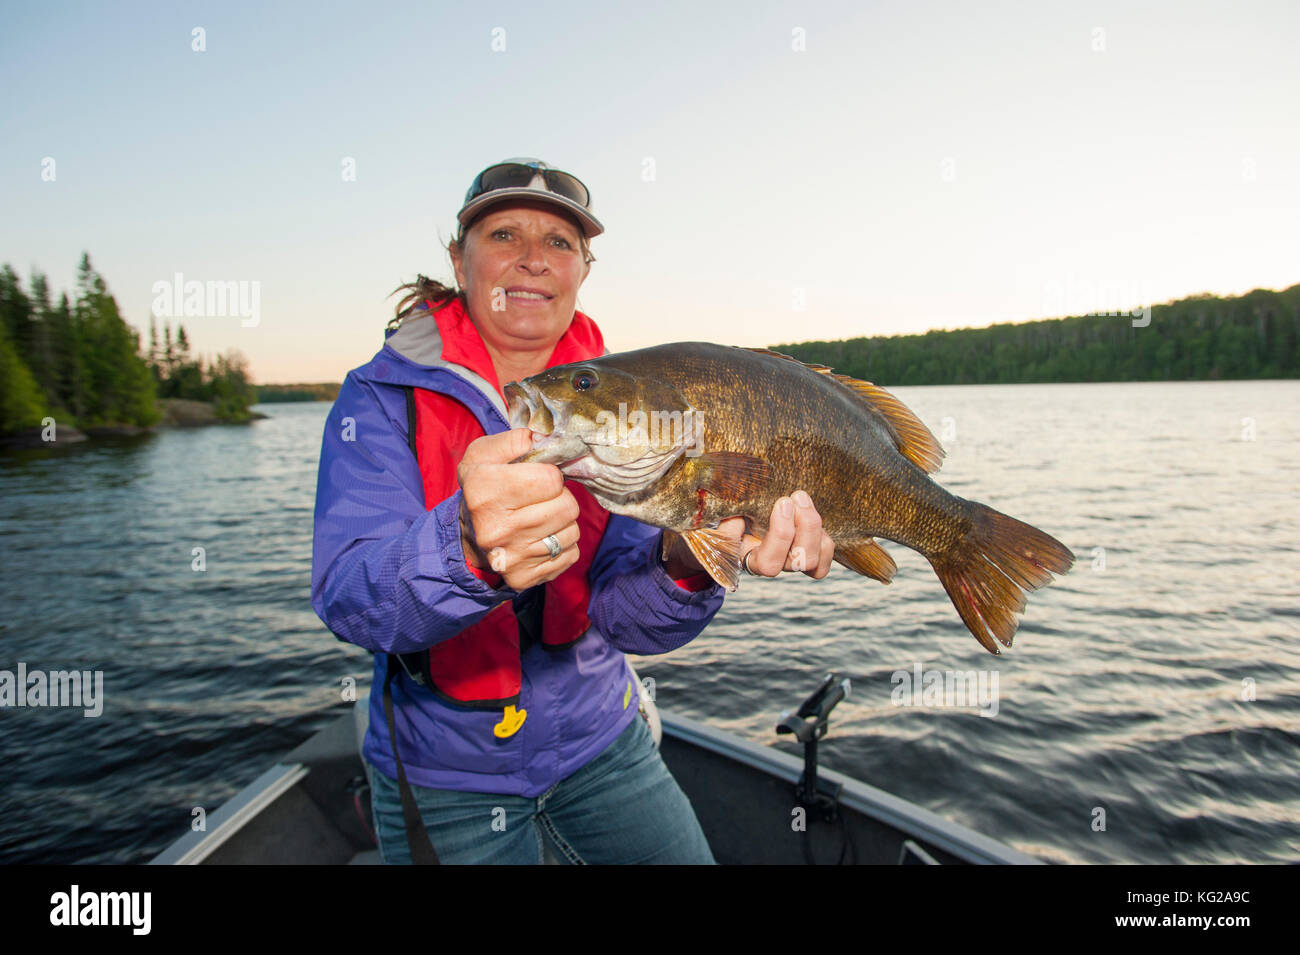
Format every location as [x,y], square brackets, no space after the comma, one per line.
[512,309]
[513,179]
[521,267]
[498,600]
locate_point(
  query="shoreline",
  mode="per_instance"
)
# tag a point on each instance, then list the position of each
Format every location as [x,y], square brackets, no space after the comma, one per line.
[176,413]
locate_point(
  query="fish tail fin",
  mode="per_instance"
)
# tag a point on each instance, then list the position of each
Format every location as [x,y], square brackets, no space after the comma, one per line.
[988,572]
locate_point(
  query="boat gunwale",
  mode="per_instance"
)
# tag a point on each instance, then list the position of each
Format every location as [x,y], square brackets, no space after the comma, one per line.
[898,814]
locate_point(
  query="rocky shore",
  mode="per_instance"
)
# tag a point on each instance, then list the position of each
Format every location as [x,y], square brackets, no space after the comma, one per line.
[176,413]
[184,413]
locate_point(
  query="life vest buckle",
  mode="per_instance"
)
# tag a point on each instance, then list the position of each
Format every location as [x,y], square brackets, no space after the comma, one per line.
[511,720]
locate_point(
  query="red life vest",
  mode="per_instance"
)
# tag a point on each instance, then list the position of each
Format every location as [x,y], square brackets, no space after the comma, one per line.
[480,667]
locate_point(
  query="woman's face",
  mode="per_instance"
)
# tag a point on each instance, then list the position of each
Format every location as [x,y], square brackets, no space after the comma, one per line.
[521,267]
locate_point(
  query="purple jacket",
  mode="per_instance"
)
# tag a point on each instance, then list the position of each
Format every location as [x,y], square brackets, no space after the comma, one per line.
[390,576]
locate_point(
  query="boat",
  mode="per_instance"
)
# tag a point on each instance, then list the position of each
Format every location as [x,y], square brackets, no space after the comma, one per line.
[312,807]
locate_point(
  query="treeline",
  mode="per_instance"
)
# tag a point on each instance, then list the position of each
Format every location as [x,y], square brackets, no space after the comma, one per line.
[1202,337]
[76,361]
[321,391]
[80,363]
[223,381]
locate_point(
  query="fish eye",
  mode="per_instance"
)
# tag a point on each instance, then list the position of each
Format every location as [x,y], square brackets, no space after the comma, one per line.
[584,379]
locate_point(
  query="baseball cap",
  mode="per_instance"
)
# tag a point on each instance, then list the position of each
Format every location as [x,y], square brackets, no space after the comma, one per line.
[528,178]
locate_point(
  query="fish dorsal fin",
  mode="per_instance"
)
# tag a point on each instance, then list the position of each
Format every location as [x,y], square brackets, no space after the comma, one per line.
[912,438]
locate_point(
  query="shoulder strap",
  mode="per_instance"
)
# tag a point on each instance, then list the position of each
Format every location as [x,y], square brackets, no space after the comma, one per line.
[412,663]
[417,837]
[410,417]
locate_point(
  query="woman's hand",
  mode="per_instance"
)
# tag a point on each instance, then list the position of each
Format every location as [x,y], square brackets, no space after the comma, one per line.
[795,541]
[507,511]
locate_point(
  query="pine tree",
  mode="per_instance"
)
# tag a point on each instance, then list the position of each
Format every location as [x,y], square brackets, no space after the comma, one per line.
[153,349]
[16,312]
[168,362]
[65,342]
[21,403]
[41,360]
[188,377]
[232,393]
[23,400]
[119,386]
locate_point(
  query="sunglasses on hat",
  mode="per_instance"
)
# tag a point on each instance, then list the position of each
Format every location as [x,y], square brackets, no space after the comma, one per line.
[518,175]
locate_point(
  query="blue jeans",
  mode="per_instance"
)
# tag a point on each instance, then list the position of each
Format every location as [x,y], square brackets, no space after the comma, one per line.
[623,807]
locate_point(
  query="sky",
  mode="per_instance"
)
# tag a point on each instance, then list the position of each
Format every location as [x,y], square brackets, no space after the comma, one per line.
[766,173]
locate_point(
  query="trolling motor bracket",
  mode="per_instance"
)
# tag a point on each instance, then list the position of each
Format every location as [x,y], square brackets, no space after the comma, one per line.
[808,725]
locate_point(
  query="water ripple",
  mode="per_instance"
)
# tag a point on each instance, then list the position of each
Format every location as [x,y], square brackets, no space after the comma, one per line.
[1158,683]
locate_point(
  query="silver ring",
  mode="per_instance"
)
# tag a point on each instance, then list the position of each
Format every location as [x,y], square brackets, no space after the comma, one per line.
[552,545]
[745,564]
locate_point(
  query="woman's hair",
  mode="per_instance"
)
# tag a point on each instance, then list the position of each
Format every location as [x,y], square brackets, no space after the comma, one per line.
[424,288]
[437,293]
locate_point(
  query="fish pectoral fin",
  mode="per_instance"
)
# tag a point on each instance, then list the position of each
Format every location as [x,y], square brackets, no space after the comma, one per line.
[868,559]
[735,476]
[717,553]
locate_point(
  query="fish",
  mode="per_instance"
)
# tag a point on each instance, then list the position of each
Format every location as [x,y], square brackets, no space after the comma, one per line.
[684,435]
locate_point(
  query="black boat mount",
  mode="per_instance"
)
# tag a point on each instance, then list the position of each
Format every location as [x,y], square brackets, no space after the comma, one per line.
[819,798]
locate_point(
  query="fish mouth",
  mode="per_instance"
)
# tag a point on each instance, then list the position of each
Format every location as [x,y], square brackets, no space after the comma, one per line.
[579,456]
[528,407]
[521,400]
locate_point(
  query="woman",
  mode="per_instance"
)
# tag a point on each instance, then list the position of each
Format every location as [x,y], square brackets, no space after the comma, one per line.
[498,599]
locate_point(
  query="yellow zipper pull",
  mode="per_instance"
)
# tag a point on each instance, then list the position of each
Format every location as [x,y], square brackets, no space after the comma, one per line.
[511,720]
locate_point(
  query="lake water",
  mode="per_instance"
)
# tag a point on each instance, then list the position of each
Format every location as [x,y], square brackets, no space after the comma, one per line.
[1148,712]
